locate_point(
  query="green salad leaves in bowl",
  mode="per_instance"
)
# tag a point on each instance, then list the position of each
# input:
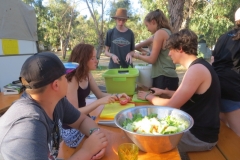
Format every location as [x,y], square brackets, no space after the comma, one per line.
[151,124]
[155,129]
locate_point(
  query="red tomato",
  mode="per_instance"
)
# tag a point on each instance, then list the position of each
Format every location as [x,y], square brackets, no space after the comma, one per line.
[123,101]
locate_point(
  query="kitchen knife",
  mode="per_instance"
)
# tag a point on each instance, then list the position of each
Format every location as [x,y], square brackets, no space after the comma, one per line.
[107,123]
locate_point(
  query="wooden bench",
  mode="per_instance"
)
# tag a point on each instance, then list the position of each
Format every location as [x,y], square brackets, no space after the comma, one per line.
[227,148]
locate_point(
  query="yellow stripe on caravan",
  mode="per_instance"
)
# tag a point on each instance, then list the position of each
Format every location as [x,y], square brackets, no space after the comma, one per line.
[10,46]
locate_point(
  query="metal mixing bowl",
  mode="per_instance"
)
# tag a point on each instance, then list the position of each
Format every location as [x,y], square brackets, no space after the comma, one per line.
[149,142]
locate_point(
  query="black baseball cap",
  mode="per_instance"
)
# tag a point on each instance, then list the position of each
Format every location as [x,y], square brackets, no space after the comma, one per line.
[41,69]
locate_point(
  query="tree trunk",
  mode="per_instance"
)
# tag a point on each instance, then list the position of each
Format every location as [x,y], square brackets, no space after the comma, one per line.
[63,52]
[98,27]
[61,46]
[100,46]
[188,13]
[175,10]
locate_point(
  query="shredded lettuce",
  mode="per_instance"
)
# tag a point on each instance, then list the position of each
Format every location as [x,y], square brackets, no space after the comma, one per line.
[152,125]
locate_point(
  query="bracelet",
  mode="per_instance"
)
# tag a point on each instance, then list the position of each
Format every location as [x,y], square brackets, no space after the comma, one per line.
[147,95]
[111,55]
[92,130]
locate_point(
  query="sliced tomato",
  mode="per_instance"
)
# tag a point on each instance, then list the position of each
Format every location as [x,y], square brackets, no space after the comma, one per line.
[123,101]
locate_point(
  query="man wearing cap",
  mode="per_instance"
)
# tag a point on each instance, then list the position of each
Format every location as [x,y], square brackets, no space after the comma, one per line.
[119,42]
[30,129]
[226,57]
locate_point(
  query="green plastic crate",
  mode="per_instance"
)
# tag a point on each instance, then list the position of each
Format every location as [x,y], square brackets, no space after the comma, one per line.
[121,80]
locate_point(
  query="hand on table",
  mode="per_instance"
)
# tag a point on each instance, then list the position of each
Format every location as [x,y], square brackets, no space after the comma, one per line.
[96,144]
[114,97]
[123,96]
[157,91]
[142,95]
[108,99]
[99,155]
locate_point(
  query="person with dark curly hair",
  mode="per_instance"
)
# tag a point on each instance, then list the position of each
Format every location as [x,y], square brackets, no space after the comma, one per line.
[226,62]
[198,94]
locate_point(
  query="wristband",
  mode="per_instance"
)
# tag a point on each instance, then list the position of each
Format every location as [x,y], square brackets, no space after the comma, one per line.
[111,55]
[92,130]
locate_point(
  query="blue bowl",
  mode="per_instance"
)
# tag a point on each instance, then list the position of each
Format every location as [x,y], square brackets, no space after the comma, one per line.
[70,66]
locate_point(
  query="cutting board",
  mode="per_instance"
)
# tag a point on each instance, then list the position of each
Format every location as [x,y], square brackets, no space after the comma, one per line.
[135,99]
[110,110]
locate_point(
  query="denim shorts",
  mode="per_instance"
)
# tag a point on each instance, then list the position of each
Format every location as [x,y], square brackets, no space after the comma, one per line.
[229,105]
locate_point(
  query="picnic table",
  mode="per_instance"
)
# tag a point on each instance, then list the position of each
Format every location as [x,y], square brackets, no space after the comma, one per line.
[6,101]
[226,149]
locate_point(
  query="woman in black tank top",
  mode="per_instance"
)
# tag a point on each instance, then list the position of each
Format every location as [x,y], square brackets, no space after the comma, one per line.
[80,84]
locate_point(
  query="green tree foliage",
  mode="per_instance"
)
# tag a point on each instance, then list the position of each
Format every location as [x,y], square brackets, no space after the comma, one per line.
[98,20]
[151,5]
[120,4]
[61,15]
[134,22]
[213,18]
[41,14]
[60,23]
[210,18]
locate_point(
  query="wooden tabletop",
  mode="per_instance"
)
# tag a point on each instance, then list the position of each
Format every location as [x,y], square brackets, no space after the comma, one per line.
[116,137]
[6,101]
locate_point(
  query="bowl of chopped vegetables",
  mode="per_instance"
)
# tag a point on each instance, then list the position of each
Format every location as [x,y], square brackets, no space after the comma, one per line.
[154,129]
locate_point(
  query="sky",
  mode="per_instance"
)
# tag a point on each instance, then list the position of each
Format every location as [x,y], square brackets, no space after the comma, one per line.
[82,7]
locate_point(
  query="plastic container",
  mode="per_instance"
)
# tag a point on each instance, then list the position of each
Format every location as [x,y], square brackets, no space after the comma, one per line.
[121,80]
[70,66]
[145,75]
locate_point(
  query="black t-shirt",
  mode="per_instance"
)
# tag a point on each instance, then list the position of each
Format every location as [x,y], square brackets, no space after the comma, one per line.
[227,65]
[120,44]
